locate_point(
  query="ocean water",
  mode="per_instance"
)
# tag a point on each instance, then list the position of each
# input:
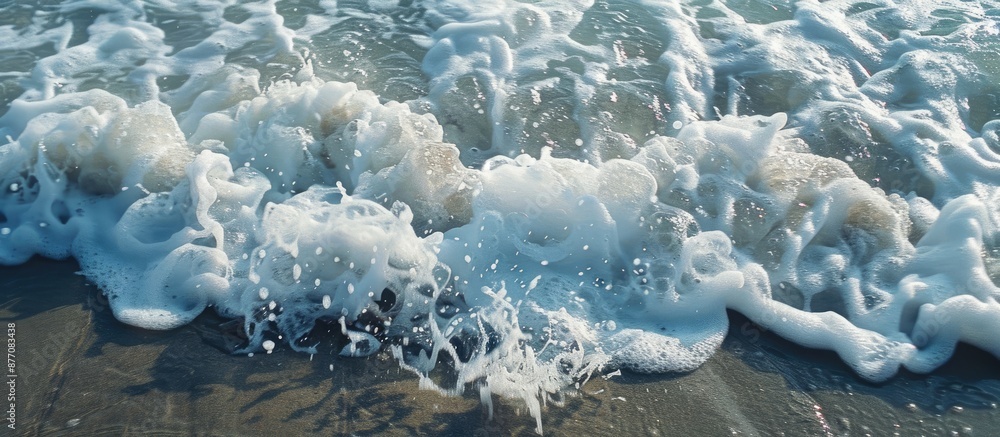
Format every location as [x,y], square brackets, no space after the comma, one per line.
[513,196]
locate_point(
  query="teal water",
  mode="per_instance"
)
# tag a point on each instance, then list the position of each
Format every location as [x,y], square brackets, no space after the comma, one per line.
[509,199]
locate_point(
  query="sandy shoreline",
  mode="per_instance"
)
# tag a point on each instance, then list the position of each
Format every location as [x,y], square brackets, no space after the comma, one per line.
[82,372]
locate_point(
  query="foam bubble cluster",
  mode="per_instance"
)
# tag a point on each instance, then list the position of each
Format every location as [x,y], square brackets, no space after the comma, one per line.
[536,192]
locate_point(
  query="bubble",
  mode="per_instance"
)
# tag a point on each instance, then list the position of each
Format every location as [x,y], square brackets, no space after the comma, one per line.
[704,218]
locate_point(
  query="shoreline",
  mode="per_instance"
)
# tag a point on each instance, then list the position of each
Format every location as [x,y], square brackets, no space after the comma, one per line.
[82,371]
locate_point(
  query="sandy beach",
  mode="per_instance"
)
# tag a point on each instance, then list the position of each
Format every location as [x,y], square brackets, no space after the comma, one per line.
[81,372]
[624,174]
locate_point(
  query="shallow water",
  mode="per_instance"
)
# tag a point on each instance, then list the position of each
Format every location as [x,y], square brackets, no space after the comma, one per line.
[83,372]
[511,199]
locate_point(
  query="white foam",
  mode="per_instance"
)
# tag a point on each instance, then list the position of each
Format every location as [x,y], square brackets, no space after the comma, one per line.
[569,186]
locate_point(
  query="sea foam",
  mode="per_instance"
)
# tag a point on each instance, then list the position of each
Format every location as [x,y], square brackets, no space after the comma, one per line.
[537,192]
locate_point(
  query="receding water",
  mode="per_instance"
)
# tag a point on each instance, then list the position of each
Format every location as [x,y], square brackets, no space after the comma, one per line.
[526,194]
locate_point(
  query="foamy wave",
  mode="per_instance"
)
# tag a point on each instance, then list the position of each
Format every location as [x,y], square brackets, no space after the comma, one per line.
[557,196]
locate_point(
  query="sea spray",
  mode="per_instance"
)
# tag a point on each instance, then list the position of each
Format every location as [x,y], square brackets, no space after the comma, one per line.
[535,192]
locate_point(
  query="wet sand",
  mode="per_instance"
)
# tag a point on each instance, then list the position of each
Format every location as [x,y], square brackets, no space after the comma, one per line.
[80,372]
